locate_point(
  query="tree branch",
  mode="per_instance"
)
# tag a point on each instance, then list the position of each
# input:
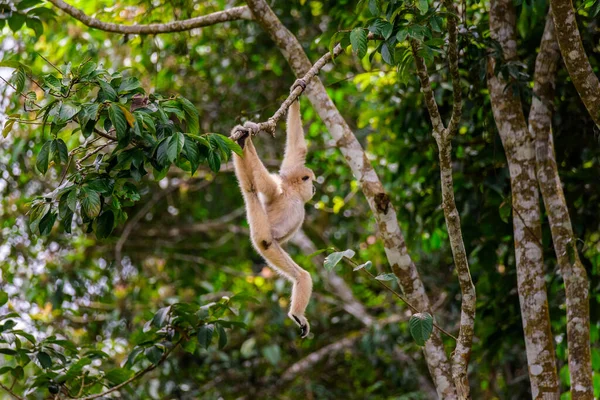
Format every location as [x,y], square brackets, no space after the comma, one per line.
[571,267]
[232,14]
[9,391]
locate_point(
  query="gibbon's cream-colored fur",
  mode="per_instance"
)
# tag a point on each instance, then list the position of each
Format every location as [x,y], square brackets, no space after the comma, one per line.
[275,207]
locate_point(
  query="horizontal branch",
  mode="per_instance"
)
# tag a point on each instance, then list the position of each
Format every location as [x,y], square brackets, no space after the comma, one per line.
[232,14]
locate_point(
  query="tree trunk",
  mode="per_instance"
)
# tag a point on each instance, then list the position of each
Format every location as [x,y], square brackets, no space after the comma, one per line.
[379,202]
[571,268]
[519,149]
[578,65]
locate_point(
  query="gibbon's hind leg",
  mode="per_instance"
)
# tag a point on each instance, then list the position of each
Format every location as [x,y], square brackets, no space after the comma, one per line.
[277,258]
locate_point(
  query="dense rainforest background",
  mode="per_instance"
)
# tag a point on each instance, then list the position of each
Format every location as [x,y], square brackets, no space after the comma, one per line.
[457,154]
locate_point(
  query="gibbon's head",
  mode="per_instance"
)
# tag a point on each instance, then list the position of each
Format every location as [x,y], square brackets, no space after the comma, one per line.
[300,180]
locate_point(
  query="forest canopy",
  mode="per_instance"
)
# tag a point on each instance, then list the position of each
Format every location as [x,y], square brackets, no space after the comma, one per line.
[453,239]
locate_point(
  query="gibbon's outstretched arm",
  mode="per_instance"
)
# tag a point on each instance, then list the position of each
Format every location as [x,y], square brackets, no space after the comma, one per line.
[252,174]
[295,145]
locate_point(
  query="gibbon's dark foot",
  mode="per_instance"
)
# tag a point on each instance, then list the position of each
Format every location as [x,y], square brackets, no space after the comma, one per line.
[302,322]
[299,82]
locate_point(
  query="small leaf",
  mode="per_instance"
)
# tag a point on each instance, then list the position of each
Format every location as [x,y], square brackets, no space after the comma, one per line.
[90,202]
[205,335]
[190,151]
[44,359]
[42,158]
[175,146]
[7,127]
[108,91]
[129,84]
[222,337]
[192,116]
[334,258]
[19,77]
[423,6]
[421,326]
[387,55]
[366,265]
[46,223]
[505,210]
[161,317]
[87,69]
[105,224]
[3,298]
[117,117]
[272,353]
[386,277]
[118,375]
[154,354]
[214,161]
[358,39]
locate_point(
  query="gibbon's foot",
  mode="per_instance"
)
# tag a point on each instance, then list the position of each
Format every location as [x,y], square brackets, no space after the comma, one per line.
[245,133]
[299,82]
[302,322]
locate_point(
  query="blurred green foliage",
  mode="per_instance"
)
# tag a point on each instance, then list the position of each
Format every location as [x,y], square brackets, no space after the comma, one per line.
[181,239]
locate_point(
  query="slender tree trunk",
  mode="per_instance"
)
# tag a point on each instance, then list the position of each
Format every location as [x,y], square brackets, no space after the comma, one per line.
[519,149]
[578,65]
[571,268]
[379,202]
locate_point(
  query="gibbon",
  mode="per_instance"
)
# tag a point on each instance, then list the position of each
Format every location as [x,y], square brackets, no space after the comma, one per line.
[275,205]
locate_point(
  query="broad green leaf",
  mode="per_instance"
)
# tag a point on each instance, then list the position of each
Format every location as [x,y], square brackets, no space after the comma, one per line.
[154,354]
[42,157]
[214,160]
[161,317]
[16,21]
[222,337]
[3,297]
[334,258]
[105,224]
[191,115]
[117,117]
[205,335]
[90,202]
[25,4]
[175,146]
[505,210]
[87,69]
[118,375]
[44,359]
[423,6]
[129,84]
[36,25]
[421,326]
[46,223]
[358,39]
[7,127]
[373,8]
[387,55]
[19,79]
[109,91]
[190,151]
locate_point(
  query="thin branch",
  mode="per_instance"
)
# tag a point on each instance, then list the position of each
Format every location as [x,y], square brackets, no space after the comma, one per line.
[453,66]
[136,376]
[233,14]
[9,391]
[398,295]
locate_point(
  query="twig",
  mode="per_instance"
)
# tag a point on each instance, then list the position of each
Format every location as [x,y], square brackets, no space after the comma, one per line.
[398,295]
[9,391]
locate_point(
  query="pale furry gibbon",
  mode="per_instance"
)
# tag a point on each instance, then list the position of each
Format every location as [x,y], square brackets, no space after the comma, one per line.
[275,205]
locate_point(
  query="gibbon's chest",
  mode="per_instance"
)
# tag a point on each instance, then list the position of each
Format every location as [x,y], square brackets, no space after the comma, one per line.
[286,217]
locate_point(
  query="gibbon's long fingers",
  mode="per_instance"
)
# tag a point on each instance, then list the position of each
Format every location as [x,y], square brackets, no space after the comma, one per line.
[295,145]
[277,258]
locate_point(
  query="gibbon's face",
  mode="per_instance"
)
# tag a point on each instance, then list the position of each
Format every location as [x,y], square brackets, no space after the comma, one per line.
[301,180]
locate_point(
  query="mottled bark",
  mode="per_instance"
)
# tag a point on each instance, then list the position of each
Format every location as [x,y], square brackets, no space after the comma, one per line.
[443,137]
[519,149]
[379,202]
[571,268]
[577,62]
[151,29]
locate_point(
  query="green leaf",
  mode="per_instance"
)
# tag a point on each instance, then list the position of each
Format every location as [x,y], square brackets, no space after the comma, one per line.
[90,202]
[44,359]
[505,210]
[421,326]
[386,277]
[117,117]
[25,4]
[16,21]
[154,354]
[423,6]
[7,127]
[161,317]
[3,298]
[87,69]
[358,39]
[272,353]
[373,8]
[19,79]
[192,116]
[334,258]
[191,152]
[366,265]
[36,25]
[214,161]
[105,224]
[436,23]
[118,375]
[382,27]
[129,84]
[222,337]
[109,92]
[175,146]
[205,335]
[46,223]
[387,55]
[59,151]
